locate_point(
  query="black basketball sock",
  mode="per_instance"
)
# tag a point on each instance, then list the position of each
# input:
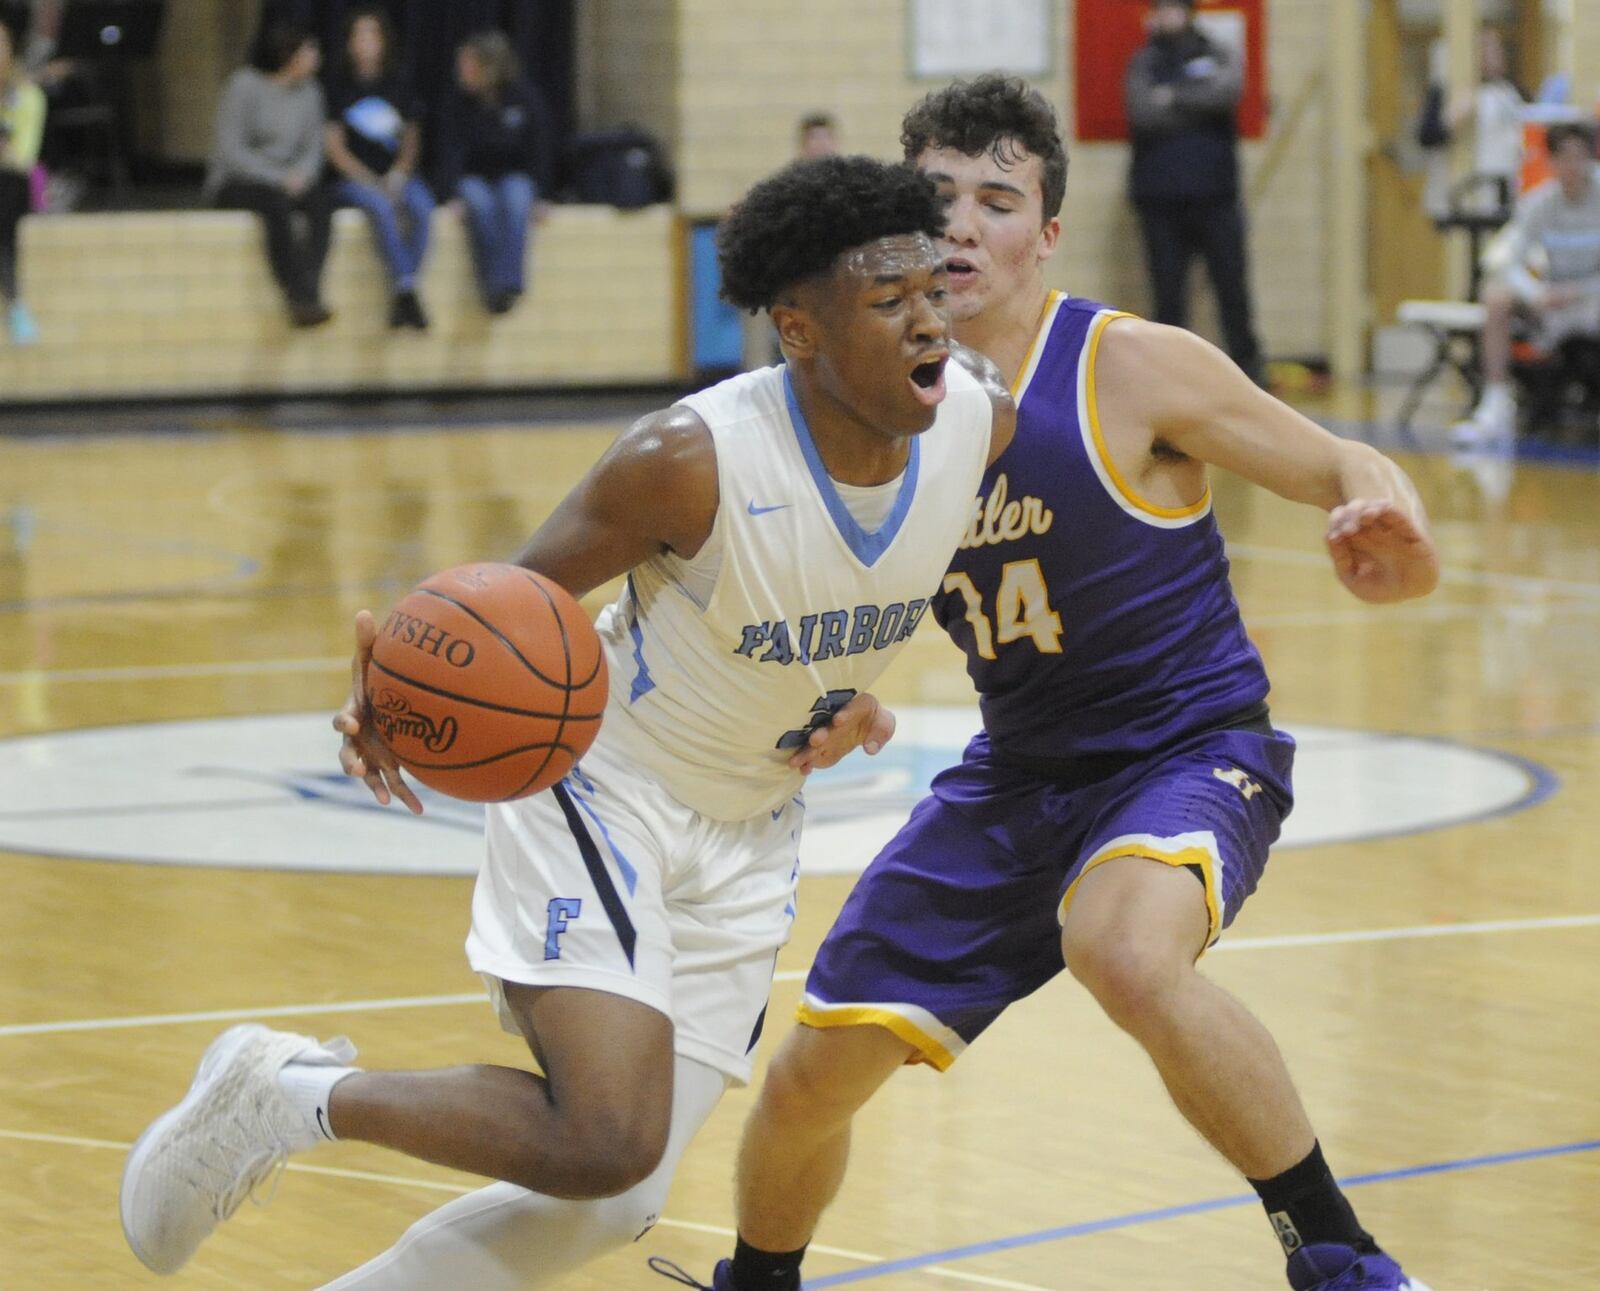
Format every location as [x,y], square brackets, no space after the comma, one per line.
[1306,1206]
[754,1270]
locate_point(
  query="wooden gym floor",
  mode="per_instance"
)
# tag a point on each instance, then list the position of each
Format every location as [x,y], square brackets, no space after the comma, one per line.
[1425,953]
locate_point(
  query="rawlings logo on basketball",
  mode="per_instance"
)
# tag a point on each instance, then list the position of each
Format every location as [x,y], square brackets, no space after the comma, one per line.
[505,653]
[455,651]
[394,717]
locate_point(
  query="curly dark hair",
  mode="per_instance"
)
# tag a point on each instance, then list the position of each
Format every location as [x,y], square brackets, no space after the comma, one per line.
[795,224]
[992,114]
[1561,131]
[279,44]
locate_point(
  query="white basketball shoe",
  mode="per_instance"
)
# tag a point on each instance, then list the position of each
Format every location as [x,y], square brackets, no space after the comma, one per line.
[198,1161]
[1492,425]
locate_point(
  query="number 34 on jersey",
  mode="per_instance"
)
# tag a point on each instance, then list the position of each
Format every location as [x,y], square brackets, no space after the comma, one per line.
[1021,609]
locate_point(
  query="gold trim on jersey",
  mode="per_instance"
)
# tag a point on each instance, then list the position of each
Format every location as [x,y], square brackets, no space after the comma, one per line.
[1096,331]
[929,1050]
[1148,847]
[1030,364]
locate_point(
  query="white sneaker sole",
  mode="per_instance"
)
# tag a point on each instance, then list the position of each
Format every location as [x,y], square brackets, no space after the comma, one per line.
[215,1060]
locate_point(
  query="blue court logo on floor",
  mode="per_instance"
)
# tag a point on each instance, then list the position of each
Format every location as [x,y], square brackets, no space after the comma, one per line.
[266,792]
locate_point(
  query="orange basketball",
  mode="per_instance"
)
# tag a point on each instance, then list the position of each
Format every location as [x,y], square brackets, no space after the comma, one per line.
[487,682]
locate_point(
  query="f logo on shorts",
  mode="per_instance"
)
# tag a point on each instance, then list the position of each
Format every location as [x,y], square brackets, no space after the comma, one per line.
[562,909]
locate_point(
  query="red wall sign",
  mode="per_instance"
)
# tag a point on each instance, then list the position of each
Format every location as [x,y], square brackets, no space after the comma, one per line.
[1107,32]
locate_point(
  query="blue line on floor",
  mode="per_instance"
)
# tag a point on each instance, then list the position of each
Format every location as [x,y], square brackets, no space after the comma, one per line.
[1141,1217]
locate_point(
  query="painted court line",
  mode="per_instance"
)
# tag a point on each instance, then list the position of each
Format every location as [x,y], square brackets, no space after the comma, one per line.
[1294,940]
[457,1189]
[1416,931]
[932,1262]
[1142,1217]
[234,1015]
[159,671]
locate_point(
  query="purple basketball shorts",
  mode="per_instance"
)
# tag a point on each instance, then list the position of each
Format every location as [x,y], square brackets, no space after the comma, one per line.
[960,915]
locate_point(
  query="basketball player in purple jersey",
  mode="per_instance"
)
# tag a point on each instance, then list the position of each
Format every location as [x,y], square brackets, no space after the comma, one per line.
[1118,806]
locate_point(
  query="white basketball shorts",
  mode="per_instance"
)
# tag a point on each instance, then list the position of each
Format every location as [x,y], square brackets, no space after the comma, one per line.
[608,883]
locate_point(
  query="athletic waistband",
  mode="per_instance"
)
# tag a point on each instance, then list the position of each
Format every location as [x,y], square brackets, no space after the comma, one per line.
[1094,767]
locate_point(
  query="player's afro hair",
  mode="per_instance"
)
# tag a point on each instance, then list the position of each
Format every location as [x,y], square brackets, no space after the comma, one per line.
[992,114]
[795,224]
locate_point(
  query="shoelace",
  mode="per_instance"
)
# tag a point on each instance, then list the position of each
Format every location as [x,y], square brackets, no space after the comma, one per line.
[668,1269]
[268,1168]
[231,1183]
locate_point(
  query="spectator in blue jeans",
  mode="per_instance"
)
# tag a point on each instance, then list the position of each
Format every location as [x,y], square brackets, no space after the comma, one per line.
[373,143]
[494,162]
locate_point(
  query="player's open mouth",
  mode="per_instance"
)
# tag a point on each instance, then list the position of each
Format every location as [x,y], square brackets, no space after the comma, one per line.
[927,380]
[959,271]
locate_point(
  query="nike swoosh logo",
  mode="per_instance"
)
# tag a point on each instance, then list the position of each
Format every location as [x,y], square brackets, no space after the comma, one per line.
[322,1125]
[754,510]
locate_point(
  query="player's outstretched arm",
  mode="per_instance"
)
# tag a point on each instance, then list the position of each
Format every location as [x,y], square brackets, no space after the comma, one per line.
[655,488]
[994,384]
[1178,391]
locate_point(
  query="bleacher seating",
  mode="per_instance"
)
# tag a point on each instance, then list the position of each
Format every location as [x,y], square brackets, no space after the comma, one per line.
[181,303]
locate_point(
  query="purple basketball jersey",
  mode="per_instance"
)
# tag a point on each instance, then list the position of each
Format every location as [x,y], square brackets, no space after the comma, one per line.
[1124,713]
[1094,623]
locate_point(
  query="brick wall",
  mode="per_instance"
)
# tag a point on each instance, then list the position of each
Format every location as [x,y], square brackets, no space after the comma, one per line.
[181,303]
[749,69]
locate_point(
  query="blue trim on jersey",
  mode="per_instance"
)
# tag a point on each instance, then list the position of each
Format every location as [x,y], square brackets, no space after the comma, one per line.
[630,876]
[603,886]
[643,682]
[867,546]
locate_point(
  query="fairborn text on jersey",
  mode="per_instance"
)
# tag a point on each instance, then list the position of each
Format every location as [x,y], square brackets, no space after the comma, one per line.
[833,633]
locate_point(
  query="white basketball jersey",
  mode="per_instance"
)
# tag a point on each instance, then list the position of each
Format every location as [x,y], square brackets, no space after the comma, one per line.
[805,603]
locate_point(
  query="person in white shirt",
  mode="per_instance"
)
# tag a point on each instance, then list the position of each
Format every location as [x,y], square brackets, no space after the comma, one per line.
[1495,112]
[1551,278]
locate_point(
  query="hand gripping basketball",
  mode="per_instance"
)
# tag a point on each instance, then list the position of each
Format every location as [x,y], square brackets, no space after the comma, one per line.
[487,682]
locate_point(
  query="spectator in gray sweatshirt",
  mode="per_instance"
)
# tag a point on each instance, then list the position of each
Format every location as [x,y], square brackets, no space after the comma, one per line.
[268,159]
[1548,263]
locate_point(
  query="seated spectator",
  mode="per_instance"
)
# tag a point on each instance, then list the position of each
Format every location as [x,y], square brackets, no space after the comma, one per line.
[494,162]
[1550,256]
[67,83]
[22,111]
[268,159]
[373,143]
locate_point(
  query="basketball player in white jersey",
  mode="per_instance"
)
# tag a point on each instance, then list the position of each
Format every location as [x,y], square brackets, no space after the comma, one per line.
[781,534]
